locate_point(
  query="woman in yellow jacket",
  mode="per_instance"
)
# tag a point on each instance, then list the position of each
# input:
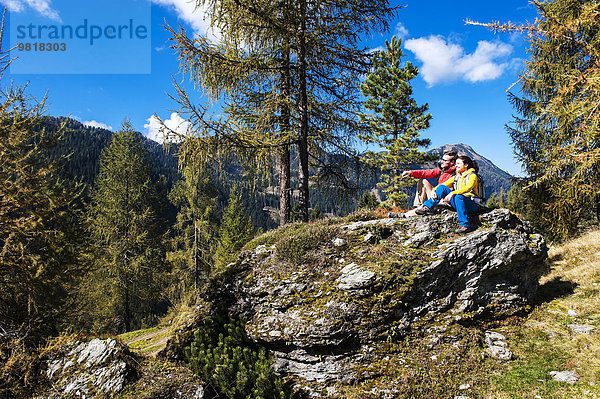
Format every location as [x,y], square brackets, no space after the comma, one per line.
[458,191]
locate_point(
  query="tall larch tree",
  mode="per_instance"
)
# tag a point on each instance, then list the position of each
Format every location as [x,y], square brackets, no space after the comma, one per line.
[330,60]
[124,224]
[40,239]
[314,45]
[249,70]
[395,120]
[556,135]
[40,234]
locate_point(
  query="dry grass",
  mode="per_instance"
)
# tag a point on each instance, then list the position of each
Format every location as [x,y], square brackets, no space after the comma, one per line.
[569,294]
[577,260]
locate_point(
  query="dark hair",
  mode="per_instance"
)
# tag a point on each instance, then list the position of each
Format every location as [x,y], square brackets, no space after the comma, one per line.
[469,162]
[452,155]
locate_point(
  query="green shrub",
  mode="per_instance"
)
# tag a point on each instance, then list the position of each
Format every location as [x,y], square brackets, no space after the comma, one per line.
[230,363]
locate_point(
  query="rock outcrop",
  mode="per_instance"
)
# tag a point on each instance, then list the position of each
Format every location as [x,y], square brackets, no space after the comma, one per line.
[324,297]
[98,368]
[106,368]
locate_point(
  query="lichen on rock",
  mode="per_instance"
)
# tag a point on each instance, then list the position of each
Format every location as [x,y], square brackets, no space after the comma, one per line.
[98,368]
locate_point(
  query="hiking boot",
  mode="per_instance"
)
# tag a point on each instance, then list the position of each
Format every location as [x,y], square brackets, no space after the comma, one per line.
[463,230]
[423,211]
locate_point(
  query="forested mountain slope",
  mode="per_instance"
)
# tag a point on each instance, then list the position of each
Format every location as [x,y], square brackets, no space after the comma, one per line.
[85,144]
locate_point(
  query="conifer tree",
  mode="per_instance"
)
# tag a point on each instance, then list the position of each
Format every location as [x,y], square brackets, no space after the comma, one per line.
[249,70]
[395,121]
[40,234]
[195,228]
[270,45]
[368,201]
[295,213]
[129,272]
[316,213]
[497,200]
[556,135]
[235,231]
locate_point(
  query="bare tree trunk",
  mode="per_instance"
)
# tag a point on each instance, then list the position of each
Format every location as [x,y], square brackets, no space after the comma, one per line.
[303,199]
[284,185]
[284,152]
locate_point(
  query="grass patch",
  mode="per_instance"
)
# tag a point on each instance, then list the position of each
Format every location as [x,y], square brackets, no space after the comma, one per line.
[147,341]
[145,344]
[530,373]
[545,343]
[362,215]
[296,243]
[128,336]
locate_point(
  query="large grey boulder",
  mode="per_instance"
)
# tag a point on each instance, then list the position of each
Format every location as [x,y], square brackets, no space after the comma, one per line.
[98,368]
[105,368]
[322,308]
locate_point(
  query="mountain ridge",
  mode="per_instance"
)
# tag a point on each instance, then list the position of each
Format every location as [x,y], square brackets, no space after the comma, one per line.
[495,179]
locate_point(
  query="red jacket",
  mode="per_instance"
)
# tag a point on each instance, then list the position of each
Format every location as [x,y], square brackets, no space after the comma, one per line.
[441,175]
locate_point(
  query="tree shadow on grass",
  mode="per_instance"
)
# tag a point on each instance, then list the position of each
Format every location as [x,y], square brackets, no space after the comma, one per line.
[556,288]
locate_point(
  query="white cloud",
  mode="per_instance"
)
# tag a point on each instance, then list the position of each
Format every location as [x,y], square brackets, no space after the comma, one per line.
[376,49]
[157,132]
[516,64]
[13,5]
[400,30]
[195,16]
[42,6]
[94,123]
[444,61]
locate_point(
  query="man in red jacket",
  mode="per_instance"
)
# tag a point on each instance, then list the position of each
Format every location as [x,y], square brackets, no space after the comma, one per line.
[443,172]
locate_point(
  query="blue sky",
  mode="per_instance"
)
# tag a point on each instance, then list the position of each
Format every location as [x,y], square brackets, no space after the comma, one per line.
[465,71]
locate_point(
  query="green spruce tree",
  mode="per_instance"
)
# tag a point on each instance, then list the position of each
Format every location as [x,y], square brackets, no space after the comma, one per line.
[395,119]
[368,201]
[129,271]
[195,229]
[235,231]
[316,213]
[497,200]
[295,213]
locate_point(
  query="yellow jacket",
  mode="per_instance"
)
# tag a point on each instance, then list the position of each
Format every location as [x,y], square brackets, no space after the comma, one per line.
[467,183]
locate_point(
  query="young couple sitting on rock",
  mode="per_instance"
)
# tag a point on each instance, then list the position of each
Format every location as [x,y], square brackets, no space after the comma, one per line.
[458,186]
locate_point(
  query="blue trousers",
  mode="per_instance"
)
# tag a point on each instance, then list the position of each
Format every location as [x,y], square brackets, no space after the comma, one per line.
[463,205]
